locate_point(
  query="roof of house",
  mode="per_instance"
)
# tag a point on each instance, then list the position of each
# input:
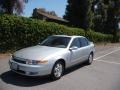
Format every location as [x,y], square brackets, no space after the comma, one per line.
[50,16]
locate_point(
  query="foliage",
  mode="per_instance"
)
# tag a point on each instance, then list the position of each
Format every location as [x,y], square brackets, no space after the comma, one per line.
[19,32]
[107,16]
[12,6]
[99,15]
[79,13]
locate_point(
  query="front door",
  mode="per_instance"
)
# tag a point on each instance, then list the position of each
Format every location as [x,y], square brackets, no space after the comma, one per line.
[75,54]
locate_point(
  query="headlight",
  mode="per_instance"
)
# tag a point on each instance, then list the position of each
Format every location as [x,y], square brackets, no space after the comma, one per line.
[35,62]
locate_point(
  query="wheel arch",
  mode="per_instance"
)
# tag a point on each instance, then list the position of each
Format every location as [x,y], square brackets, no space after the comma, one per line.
[92,53]
[61,60]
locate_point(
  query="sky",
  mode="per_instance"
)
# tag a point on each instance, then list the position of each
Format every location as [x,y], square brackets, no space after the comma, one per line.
[58,6]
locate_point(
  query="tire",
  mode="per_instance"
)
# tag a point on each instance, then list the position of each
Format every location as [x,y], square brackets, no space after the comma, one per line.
[57,70]
[90,59]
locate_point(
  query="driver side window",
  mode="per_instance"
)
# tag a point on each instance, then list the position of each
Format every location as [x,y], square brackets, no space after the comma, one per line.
[75,43]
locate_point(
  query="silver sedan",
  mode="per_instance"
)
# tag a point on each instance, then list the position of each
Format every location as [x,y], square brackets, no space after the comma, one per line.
[52,56]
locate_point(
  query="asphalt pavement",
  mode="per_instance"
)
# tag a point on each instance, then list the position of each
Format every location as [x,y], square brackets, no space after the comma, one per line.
[103,74]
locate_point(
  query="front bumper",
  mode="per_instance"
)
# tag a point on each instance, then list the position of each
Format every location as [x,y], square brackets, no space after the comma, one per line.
[30,70]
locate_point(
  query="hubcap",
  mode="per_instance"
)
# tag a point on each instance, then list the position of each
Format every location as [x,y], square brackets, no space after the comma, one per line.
[90,58]
[58,70]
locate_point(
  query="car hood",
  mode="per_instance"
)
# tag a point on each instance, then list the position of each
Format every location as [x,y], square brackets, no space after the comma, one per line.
[37,52]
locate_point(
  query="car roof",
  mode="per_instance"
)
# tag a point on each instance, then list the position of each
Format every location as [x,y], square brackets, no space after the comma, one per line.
[72,36]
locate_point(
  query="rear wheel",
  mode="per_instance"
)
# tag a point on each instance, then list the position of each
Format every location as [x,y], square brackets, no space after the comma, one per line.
[90,59]
[58,70]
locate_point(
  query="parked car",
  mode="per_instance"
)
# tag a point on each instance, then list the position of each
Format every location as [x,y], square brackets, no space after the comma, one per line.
[52,56]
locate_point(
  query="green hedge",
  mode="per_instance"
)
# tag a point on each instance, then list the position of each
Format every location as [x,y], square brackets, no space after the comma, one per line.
[18,32]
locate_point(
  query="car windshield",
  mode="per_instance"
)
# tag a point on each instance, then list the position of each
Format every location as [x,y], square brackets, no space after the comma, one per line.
[56,41]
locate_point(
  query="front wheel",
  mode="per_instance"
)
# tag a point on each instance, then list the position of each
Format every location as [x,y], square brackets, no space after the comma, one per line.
[58,70]
[90,59]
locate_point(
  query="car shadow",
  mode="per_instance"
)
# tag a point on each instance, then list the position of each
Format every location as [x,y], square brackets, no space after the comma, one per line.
[10,77]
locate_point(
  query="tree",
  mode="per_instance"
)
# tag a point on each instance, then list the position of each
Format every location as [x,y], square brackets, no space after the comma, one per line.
[13,6]
[100,8]
[107,16]
[79,13]
[113,18]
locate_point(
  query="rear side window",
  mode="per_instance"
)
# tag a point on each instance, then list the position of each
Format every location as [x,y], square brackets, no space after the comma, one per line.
[75,43]
[83,42]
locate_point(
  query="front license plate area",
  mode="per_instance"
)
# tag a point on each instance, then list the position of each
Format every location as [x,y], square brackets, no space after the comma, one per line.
[14,66]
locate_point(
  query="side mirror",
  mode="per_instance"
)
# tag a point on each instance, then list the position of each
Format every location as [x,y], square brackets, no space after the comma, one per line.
[73,48]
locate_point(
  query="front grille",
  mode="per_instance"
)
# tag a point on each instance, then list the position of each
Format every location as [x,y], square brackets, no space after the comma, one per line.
[19,61]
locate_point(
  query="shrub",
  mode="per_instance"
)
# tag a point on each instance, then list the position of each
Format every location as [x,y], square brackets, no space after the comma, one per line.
[19,32]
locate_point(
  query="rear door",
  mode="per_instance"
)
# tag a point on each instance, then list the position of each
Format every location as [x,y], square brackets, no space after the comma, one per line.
[85,47]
